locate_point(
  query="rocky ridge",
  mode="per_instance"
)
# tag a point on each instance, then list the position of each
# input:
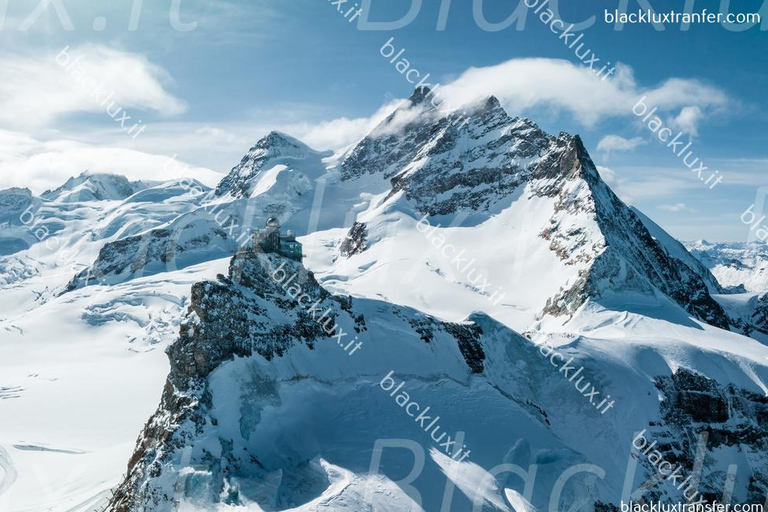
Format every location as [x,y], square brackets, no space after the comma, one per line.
[250,314]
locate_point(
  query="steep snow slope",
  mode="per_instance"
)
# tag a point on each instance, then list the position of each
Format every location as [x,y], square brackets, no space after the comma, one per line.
[538,243]
[264,409]
[537,229]
[272,154]
[80,372]
[679,251]
[529,200]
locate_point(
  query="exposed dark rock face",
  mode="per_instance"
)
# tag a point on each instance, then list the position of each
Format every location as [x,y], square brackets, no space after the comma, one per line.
[759,318]
[157,249]
[455,176]
[628,257]
[354,243]
[468,337]
[700,415]
[473,160]
[752,316]
[252,311]
[232,324]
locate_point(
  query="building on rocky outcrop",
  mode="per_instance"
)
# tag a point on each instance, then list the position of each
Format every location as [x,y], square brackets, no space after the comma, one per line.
[269,240]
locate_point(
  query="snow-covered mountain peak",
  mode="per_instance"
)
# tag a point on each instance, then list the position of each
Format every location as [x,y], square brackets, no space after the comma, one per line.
[420,95]
[411,126]
[277,144]
[465,159]
[272,150]
[486,108]
[431,217]
[13,203]
[11,198]
[266,351]
[515,186]
[90,186]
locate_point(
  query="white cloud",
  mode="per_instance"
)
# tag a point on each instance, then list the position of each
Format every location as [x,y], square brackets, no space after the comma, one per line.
[339,132]
[688,120]
[219,147]
[43,165]
[641,185]
[676,208]
[523,84]
[34,91]
[611,143]
[526,84]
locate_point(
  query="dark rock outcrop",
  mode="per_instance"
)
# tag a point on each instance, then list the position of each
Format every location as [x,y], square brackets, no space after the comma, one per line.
[472,161]
[700,417]
[254,311]
[629,257]
[154,251]
[354,243]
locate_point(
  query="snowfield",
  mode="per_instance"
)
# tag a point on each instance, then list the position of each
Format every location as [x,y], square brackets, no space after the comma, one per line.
[454,252]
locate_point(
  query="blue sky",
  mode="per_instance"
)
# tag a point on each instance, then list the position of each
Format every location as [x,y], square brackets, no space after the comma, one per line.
[238,69]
